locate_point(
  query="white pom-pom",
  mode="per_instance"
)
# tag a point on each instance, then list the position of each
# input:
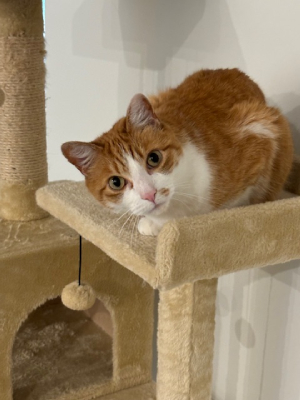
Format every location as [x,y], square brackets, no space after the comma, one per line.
[78,297]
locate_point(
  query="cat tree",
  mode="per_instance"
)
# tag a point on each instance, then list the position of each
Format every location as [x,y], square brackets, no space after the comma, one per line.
[39,257]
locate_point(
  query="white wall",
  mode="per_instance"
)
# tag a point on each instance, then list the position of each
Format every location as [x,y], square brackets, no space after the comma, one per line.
[101,52]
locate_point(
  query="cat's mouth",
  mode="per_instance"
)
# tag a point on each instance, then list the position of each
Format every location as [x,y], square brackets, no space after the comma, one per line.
[159,208]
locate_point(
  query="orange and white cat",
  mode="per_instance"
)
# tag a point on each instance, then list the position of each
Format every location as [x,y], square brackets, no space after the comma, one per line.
[210,143]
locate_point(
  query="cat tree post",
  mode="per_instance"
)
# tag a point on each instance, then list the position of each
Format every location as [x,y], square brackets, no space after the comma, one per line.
[23,166]
[186,341]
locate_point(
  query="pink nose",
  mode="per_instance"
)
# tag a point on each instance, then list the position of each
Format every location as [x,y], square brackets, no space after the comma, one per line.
[149,196]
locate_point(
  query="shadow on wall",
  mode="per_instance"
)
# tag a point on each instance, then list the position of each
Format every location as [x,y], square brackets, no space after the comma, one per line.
[152,29]
[154,43]
[159,37]
[151,32]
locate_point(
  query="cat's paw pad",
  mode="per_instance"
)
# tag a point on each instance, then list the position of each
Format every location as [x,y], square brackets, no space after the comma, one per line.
[147,227]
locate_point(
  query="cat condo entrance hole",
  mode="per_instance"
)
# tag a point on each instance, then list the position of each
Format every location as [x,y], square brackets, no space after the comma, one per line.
[59,351]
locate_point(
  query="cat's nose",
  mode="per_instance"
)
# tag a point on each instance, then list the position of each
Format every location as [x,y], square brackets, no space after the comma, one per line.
[149,196]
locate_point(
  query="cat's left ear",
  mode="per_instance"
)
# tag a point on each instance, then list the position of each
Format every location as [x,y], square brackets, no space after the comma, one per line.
[81,154]
[140,113]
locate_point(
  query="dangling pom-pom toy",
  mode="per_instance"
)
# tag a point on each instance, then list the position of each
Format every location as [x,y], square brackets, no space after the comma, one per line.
[77,296]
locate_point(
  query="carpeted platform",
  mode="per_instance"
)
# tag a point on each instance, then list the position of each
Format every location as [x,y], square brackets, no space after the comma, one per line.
[57,351]
[225,240]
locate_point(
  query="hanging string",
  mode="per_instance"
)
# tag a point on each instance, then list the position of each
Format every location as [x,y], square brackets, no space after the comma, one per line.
[75,295]
[80,256]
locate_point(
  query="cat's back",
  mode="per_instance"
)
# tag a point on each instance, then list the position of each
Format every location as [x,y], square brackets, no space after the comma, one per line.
[229,85]
[206,91]
[224,115]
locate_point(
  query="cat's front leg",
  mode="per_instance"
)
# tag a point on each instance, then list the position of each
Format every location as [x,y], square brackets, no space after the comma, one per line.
[148,227]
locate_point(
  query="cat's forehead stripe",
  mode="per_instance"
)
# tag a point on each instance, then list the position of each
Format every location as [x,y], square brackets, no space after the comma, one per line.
[118,149]
[132,149]
[133,166]
[115,152]
[119,163]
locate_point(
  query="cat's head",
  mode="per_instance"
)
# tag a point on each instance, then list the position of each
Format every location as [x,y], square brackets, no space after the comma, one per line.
[130,167]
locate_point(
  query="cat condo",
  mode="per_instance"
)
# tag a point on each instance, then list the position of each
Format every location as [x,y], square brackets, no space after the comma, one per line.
[48,352]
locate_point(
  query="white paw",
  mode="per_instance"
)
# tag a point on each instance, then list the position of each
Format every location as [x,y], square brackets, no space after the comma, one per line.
[148,227]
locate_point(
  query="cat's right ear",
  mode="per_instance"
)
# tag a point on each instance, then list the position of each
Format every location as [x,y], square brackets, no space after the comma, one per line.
[140,113]
[80,154]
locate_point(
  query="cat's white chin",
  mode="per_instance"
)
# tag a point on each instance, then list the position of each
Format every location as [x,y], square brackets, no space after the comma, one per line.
[159,208]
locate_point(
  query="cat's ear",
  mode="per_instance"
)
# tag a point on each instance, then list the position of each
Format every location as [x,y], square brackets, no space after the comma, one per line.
[81,154]
[140,113]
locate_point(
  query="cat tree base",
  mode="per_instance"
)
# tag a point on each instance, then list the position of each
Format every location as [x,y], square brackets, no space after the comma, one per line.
[48,352]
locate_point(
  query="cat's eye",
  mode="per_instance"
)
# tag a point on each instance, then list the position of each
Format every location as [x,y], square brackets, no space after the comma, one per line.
[116,182]
[154,158]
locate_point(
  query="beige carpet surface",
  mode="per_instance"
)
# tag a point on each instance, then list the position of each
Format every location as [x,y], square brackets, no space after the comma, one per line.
[18,238]
[58,351]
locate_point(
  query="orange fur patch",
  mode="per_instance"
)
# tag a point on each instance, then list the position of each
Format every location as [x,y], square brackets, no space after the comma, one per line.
[164,191]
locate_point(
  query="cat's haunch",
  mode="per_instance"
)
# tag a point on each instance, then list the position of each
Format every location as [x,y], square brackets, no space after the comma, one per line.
[212,142]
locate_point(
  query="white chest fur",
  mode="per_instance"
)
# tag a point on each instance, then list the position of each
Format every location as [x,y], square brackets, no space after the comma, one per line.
[192,179]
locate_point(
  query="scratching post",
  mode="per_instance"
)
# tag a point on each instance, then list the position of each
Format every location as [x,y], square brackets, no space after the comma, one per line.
[23,167]
[186,341]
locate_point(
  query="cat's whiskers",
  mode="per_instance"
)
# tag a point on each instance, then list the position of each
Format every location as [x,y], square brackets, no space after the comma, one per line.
[116,219]
[188,194]
[134,228]
[131,214]
[184,203]
[181,184]
[197,198]
[130,226]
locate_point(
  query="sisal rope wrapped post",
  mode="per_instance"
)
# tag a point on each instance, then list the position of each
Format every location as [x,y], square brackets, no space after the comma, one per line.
[23,165]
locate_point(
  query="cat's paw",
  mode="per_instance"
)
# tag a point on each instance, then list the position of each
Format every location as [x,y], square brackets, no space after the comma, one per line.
[148,227]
